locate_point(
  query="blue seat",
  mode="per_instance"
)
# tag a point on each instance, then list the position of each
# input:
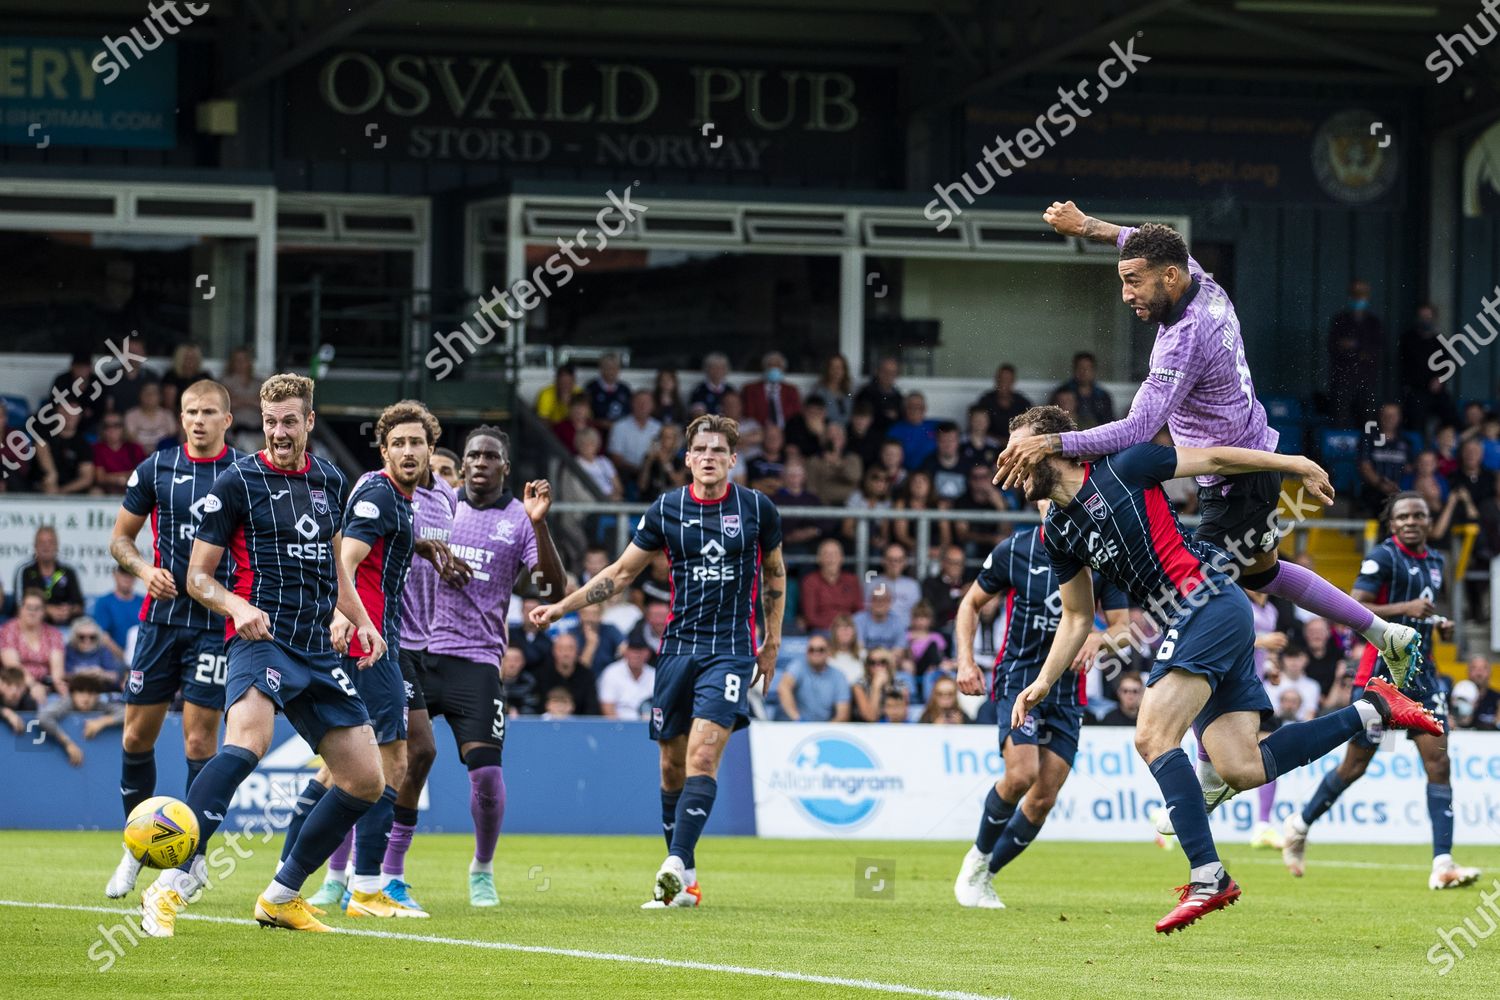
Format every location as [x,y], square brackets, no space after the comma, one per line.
[1283,409]
[17,410]
[1339,452]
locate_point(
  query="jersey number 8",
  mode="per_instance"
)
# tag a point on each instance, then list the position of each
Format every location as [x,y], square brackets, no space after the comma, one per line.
[732,687]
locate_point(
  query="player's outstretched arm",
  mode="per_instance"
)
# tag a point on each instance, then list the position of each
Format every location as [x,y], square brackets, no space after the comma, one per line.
[965,624]
[1069,220]
[158,581]
[1074,626]
[1232,461]
[537,499]
[249,621]
[611,580]
[773,600]
[349,604]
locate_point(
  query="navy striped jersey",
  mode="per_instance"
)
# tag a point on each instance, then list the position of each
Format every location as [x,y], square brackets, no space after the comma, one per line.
[715,547]
[278,527]
[1122,525]
[170,487]
[380,515]
[1020,568]
[1395,574]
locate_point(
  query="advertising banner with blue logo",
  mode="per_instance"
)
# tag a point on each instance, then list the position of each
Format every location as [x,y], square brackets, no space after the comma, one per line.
[928,783]
[84,92]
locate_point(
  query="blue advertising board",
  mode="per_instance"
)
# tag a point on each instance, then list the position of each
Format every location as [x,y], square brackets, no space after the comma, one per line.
[52,93]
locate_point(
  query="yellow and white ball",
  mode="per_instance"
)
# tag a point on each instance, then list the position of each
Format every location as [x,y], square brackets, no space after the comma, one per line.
[162,832]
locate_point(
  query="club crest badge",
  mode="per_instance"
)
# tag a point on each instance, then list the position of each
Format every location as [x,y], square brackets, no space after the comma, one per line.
[731,525]
[1096,507]
[319,501]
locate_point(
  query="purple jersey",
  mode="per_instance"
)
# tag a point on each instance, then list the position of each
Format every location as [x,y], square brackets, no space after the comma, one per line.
[497,541]
[1199,385]
[432,509]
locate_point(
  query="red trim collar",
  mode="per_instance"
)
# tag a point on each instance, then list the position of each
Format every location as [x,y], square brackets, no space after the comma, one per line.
[394,485]
[189,456]
[286,472]
[728,489]
[1415,555]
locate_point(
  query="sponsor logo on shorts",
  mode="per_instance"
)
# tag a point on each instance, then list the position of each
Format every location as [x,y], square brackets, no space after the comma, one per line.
[273,678]
[731,525]
[137,681]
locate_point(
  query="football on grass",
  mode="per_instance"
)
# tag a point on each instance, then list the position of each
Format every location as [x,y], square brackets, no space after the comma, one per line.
[162,832]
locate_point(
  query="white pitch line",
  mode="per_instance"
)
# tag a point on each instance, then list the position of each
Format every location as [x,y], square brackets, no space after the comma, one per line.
[597,956]
[1344,864]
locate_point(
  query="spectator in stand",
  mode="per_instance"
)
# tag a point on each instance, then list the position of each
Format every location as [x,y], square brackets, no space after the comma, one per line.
[917,434]
[1487,699]
[601,471]
[68,460]
[905,592]
[82,696]
[799,535]
[59,584]
[946,465]
[1424,479]
[1325,658]
[28,642]
[1128,693]
[662,468]
[15,697]
[979,537]
[535,644]
[609,398]
[845,654]
[944,592]
[124,393]
[118,611]
[892,461]
[630,440]
[766,469]
[656,583]
[917,494]
[1445,447]
[895,705]
[16,461]
[1293,677]
[566,672]
[709,395]
[863,439]
[1384,460]
[978,445]
[115,455]
[595,559]
[942,708]
[1095,405]
[187,368]
[1472,487]
[752,434]
[666,398]
[811,691]
[76,384]
[1473,422]
[877,626]
[1290,706]
[1003,403]
[560,704]
[833,471]
[244,398]
[1430,406]
[874,493]
[554,399]
[1356,352]
[652,626]
[599,644]
[1066,400]
[1490,435]
[149,423]
[1418,343]
[927,646]
[882,396]
[580,418]
[445,464]
[836,388]
[868,693]
[518,685]
[773,400]
[85,650]
[830,591]
[806,429]
[1339,693]
[626,685]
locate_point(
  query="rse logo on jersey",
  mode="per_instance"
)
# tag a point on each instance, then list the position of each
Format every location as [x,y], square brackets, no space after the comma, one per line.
[717,569]
[308,527]
[1053,617]
[186,532]
[1101,549]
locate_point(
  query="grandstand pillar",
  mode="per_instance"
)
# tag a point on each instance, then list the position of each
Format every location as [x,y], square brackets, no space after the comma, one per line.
[852,306]
[1443,198]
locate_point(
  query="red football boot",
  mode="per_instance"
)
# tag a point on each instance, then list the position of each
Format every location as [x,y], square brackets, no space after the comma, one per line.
[1196,899]
[1398,711]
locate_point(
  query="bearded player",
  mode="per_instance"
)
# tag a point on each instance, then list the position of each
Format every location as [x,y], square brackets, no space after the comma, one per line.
[1400,577]
[1200,388]
[1113,515]
[1039,753]
[278,512]
[722,539]
[180,644]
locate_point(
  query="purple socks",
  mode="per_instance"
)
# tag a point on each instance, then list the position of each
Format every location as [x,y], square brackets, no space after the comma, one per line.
[1267,800]
[487,806]
[339,859]
[1310,591]
[399,842]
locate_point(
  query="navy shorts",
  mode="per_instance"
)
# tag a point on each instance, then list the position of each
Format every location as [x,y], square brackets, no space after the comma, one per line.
[1421,688]
[1246,518]
[313,690]
[469,695]
[383,691]
[714,688]
[1217,642]
[168,657]
[411,675]
[1050,724]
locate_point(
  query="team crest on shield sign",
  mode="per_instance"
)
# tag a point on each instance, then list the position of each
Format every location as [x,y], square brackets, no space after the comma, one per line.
[273,678]
[137,681]
[731,526]
[319,501]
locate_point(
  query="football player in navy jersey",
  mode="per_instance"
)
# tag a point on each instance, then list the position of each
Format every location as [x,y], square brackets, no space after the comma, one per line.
[180,644]
[1021,569]
[1113,516]
[278,513]
[1399,577]
[722,539]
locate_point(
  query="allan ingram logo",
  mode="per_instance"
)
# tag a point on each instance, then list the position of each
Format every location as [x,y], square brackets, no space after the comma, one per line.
[836,781]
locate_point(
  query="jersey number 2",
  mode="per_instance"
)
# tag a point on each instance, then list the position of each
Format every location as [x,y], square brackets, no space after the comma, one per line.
[345,684]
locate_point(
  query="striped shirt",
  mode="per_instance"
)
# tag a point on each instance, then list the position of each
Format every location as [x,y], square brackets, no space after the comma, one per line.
[432,515]
[170,487]
[715,548]
[278,527]
[380,515]
[1396,574]
[1199,384]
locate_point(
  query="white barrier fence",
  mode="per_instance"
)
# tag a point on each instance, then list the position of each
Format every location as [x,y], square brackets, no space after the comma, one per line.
[83,528]
[917,782]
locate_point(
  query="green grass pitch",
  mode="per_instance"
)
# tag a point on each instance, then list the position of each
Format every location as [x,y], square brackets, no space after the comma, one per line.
[1079,924]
